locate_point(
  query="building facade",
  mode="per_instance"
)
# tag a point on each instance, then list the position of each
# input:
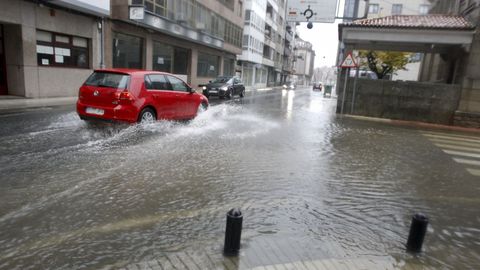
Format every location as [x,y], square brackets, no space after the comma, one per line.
[304,62]
[197,40]
[461,68]
[380,8]
[48,48]
[263,42]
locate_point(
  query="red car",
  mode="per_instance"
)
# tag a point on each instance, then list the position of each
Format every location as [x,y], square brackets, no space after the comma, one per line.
[137,96]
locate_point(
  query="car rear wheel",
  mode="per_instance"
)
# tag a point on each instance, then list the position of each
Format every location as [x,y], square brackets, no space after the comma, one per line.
[147,116]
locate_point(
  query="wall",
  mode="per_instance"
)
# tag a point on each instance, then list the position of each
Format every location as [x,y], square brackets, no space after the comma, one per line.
[21,19]
[415,101]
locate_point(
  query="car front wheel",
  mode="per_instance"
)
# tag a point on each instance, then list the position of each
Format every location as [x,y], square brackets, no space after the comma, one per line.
[147,116]
[229,94]
[201,108]
[242,94]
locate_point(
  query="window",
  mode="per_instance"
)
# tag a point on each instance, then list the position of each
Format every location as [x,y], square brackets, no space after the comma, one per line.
[228,3]
[424,9]
[233,34]
[397,9]
[373,9]
[62,50]
[207,65]
[240,8]
[228,66]
[162,57]
[177,84]
[158,7]
[106,79]
[127,51]
[157,82]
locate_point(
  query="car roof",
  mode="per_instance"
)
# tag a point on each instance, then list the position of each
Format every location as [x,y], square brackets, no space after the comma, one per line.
[129,71]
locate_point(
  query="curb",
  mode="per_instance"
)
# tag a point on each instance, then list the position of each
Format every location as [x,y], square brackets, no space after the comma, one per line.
[28,103]
[413,124]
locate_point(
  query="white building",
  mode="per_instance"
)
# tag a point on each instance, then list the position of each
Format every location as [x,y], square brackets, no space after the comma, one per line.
[263,42]
[382,8]
[304,62]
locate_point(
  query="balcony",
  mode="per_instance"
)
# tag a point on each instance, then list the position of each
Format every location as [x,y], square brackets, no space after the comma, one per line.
[289,37]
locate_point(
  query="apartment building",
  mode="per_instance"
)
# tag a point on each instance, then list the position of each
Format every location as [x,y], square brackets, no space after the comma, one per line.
[382,8]
[195,39]
[304,62]
[263,42]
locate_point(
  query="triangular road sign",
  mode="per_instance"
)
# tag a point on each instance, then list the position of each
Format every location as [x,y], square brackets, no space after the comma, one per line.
[348,62]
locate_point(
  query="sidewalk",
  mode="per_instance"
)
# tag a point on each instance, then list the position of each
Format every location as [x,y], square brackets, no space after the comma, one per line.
[415,124]
[14,102]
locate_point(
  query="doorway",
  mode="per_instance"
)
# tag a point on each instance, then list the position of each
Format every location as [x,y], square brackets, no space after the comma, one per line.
[180,62]
[3,69]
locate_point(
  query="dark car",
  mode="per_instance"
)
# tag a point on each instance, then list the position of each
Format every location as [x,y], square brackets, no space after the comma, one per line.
[317,86]
[137,96]
[224,87]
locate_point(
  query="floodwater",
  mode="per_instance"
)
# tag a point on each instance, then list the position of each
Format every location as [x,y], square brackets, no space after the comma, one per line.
[77,196]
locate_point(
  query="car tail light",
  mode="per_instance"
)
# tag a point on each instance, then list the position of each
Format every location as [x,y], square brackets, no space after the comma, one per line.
[123,97]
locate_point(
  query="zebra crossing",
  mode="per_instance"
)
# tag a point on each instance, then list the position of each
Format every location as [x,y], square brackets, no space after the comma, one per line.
[464,149]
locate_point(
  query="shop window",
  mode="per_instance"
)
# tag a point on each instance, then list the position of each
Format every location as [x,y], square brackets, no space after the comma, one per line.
[228,66]
[208,65]
[127,51]
[162,57]
[60,50]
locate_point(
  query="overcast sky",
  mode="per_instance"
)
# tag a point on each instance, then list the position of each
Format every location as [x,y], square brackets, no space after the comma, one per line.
[324,38]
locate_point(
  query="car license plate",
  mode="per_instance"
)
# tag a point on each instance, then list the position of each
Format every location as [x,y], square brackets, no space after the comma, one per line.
[212,92]
[96,111]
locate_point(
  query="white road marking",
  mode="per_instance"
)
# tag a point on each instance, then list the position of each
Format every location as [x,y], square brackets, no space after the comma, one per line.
[452,135]
[464,149]
[475,172]
[467,161]
[463,154]
[449,146]
[452,138]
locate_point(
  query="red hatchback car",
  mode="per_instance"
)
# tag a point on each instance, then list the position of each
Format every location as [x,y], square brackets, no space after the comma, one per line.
[137,96]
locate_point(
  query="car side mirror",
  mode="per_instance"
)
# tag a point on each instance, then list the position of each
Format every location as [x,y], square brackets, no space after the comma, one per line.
[191,90]
[209,81]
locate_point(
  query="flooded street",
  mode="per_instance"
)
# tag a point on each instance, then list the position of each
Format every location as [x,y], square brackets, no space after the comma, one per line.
[79,196]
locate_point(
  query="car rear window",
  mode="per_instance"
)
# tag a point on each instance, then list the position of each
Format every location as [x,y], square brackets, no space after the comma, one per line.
[108,79]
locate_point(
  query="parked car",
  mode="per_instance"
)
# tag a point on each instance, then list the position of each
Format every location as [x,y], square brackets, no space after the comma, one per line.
[289,86]
[224,87]
[137,96]
[317,86]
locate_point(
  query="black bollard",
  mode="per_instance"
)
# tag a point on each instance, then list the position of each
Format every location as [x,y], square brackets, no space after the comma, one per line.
[418,229]
[233,232]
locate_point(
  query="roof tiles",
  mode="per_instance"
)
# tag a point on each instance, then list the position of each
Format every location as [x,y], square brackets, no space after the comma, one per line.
[430,21]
